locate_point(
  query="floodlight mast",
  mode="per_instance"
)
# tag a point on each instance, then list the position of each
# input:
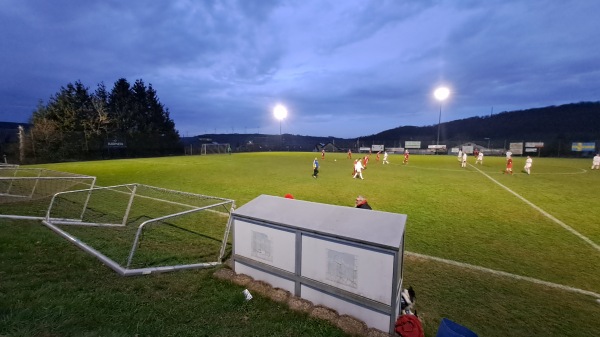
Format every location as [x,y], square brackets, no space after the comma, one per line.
[280,112]
[441,94]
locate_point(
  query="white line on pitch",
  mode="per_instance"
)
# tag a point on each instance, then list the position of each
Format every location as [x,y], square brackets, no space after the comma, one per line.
[502,273]
[546,214]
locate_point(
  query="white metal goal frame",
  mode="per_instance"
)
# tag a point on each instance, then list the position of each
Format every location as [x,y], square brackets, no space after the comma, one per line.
[215,149]
[53,223]
[28,185]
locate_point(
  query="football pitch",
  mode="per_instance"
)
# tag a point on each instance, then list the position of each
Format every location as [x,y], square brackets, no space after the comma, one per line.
[504,255]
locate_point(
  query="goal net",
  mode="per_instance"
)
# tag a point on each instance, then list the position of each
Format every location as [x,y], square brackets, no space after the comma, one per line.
[26,192]
[139,229]
[215,149]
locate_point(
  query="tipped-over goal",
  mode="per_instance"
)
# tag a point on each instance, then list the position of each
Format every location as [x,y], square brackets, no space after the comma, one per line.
[139,229]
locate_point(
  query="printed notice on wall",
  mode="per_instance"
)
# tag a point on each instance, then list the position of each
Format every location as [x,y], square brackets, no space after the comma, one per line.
[342,268]
[261,246]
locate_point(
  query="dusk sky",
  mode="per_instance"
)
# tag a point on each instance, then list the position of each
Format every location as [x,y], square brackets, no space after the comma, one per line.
[343,68]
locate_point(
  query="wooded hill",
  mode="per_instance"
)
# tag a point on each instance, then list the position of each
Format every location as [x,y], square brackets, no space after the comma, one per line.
[570,122]
[556,126]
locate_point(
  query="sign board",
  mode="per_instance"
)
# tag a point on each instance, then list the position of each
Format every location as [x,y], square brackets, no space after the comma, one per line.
[467,149]
[531,149]
[116,143]
[364,149]
[516,148]
[534,144]
[395,150]
[409,144]
[436,148]
[377,148]
[583,147]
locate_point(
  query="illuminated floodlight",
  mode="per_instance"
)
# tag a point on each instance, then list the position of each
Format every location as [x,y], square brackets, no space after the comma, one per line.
[280,112]
[441,94]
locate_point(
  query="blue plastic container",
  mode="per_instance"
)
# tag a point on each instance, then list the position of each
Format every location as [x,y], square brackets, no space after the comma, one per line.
[448,328]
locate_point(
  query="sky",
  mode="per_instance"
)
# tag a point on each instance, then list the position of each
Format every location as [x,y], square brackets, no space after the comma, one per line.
[342,68]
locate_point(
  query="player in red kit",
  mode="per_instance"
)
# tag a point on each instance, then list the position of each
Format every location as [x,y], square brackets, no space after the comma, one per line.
[349,154]
[406,155]
[323,154]
[509,165]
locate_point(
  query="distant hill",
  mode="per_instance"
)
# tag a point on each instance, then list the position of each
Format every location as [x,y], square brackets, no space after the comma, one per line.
[556,126]
[570,120]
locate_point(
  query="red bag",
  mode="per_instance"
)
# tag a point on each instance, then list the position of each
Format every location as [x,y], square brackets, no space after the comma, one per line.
[409,326]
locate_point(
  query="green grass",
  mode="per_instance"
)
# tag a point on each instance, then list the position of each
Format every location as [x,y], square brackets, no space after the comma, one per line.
[50,288]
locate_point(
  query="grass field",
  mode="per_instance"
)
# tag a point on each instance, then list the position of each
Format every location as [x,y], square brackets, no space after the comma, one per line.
[503,255]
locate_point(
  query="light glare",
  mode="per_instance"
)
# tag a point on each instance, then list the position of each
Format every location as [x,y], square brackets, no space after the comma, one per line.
[441,93]
[280,112]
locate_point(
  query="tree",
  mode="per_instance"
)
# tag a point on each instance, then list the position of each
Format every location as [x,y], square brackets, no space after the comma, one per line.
[99,122]
[75,124]
[58,127]
[120,106]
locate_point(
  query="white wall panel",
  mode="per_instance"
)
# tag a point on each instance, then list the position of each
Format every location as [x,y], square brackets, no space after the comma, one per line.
[266,244]
[274,280]
[372,319]
[358,270]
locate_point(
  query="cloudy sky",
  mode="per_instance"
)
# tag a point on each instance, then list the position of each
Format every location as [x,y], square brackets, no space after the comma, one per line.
[343,68]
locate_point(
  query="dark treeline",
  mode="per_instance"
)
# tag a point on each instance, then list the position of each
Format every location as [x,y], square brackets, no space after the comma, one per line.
[77,124]
[556,126]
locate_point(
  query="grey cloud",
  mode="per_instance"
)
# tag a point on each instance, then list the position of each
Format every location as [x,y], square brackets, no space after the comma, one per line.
[344,68]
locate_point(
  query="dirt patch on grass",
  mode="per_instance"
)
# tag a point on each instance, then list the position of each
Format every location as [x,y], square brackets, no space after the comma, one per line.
[242,280]
[325,313]
[279,295]
[372,332]
[260,287]
[300,304]
[224,274]
[352,325]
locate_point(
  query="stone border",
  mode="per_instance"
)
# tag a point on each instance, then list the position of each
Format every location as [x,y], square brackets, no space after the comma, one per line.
[346,323]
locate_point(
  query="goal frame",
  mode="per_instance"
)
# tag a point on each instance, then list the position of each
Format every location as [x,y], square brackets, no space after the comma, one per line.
[36,178]
[214,149]
[126,270]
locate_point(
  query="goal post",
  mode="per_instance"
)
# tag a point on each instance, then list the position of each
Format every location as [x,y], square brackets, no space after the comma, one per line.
[26,192]
[137,229]
[215,149]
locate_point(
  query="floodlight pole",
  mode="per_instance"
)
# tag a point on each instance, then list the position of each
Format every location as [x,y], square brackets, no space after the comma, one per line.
[280,113]
[439,123]
[440,94]
[280,136]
